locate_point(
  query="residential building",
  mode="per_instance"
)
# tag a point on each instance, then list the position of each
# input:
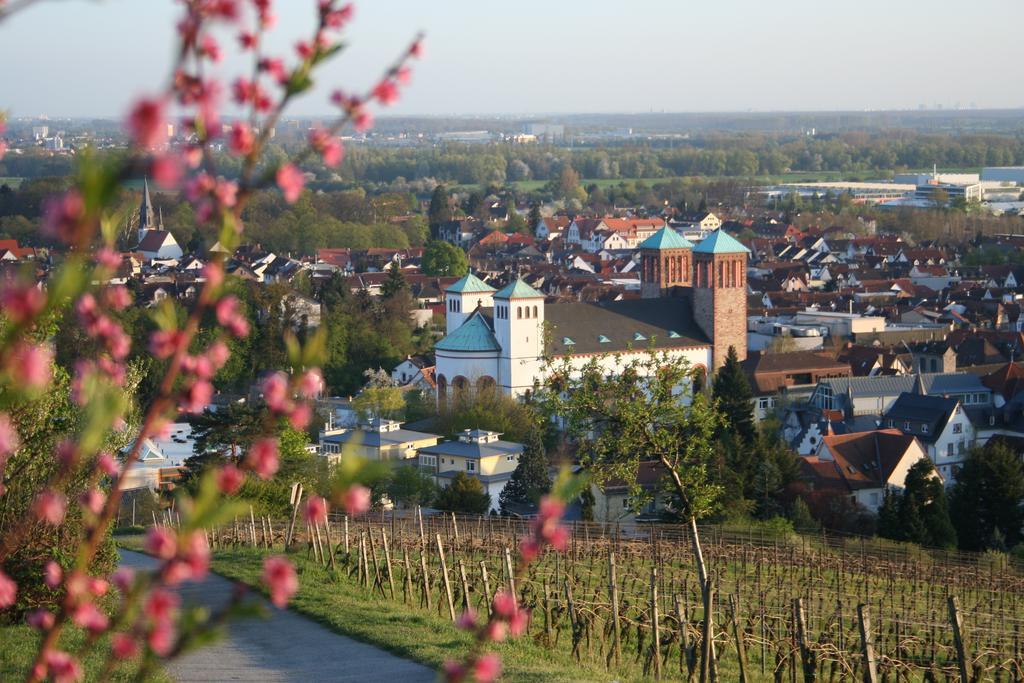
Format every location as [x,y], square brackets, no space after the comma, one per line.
[480,454]
[379,439]
[940,424]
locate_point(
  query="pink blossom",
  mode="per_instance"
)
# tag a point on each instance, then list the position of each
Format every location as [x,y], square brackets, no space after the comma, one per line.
[123,578]
[243,90]
[226,192]
[146,122]
[197,554]
[230,316]
[279,576]
[66,453]
[213,273]
[167,170]
[262,458]
[22,302]
[208,46]
[161,542]
[316,510]
[311,383]
[328,146]
[559,538]
[551,508]
[504,604]
[229,480]
[386,92]
[50,507]
[63,217]
[89,617]
[304,50]
[8,437]
[62,667]
[77,585]
[41,619]
[495,631]
[31,366]
[92,500]
[466,620]
[176,571]
[518,622]
[529,548]
[403,75]
[124,646]
[356,499]
[161,638]
[196,397]
[453,671]
[117,297]
[275,392]
[487,668]
[416,49]
[53,575]
[247,40]
[300,416]
[275,68]
[106,464]
[160,605]
[98,586]
[218,354]
[8,590]
[108,258]
[362,118]
[290,180]
[165,343]
[241,139]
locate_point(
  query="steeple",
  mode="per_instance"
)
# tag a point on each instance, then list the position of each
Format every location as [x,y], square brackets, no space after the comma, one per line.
[147,217]
[919,385]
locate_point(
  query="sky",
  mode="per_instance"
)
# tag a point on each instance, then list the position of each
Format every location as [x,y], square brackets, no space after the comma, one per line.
[78,58]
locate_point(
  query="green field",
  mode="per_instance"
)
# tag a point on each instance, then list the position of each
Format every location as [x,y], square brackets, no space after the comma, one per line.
[11,182]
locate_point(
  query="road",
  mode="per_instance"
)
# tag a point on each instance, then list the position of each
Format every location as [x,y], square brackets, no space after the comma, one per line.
[285,647]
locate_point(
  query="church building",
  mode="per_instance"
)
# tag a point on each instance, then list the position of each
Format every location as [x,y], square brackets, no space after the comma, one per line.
[693,305]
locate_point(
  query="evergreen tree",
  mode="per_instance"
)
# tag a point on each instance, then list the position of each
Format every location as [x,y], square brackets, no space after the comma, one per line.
[533,218]
[920,513]
[530,480]
[732,391]
[439,210]
[395,283]
[464,494]
[986,500]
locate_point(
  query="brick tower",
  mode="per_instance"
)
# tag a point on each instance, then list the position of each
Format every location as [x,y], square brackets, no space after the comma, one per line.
[720,294]
[666,261]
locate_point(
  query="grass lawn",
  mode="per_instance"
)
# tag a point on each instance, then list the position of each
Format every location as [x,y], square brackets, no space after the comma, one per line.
[18,648]
[342,605]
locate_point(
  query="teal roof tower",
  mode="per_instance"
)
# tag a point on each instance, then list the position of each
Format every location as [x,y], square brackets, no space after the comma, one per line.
[468,284]
[720,242]
[517,289]
[666,238]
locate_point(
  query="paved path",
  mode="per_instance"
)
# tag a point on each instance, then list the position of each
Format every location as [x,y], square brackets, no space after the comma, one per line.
[285,647]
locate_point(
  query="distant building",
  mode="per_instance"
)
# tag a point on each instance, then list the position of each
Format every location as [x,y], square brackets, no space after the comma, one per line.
[379,440]
[154,241]
[478,453]
[546,132]
[1003,174]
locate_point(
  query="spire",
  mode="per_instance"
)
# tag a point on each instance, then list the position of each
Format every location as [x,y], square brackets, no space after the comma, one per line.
[161,218]
[147,219]
[919,385]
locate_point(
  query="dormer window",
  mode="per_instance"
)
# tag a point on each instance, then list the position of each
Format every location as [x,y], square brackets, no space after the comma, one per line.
[672,334]
[567,341]
[601,339]
[639,337]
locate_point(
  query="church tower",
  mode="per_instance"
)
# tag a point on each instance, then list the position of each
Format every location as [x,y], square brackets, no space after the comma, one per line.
[147,216]
[720,294]
[463,297]
[666,261]
[519,329]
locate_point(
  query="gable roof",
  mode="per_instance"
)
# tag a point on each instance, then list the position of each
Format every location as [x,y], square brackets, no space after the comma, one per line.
[862,460]
[469,283]
[155,239]
[473,335]
[720,242]
[931,411]
[613,326]
[666,238]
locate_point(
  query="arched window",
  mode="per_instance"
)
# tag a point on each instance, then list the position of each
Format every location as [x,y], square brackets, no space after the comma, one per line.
[460,384]
[442,388]
[485,383]
[519,312]
[535,315]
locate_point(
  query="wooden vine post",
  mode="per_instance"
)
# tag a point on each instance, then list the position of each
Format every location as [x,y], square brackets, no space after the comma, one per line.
[867,645]
[655,633]
[956,622]
[444,577]
[613,590]
[741,649]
